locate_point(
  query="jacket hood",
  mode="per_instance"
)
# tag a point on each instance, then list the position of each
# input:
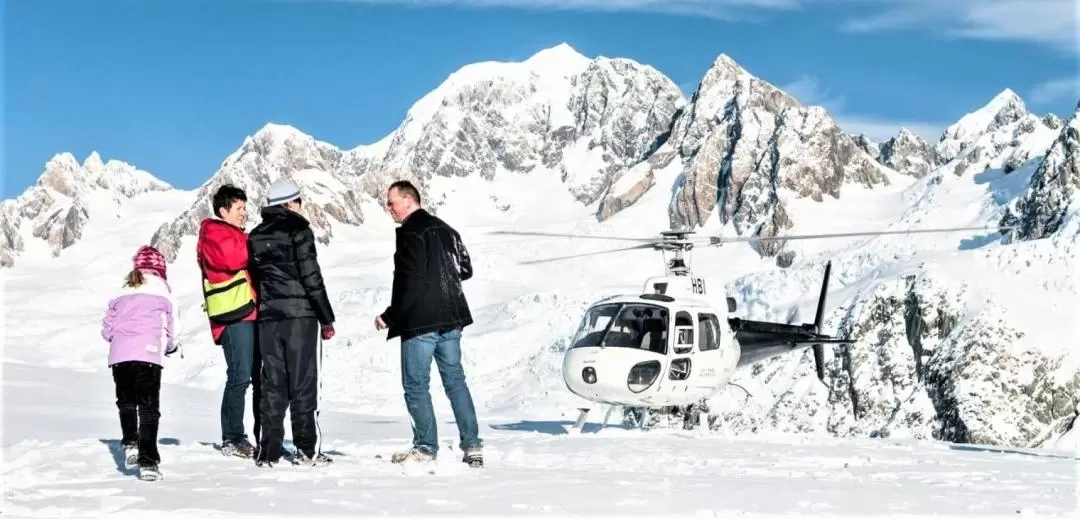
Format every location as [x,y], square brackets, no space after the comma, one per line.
[278,212]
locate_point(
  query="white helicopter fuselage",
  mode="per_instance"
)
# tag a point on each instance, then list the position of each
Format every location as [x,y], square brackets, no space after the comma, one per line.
[668,345]
[665,347]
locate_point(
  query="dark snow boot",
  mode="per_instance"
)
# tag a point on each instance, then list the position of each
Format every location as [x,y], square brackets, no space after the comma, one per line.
[149,473]
[299,458]
[473,458]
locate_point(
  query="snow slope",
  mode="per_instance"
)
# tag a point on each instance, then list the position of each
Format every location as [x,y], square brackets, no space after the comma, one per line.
[525,314]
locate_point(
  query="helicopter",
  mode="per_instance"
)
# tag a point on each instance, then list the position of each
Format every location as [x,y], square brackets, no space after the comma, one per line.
[668,346]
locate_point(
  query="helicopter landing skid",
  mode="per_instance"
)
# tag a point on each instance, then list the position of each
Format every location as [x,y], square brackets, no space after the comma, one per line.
[637,418]
[583,414]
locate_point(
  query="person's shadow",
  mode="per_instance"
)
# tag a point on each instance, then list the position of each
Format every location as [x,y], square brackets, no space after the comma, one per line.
[117,451]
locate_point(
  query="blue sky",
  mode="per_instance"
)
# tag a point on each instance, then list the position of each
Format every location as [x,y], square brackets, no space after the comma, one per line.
[174,87]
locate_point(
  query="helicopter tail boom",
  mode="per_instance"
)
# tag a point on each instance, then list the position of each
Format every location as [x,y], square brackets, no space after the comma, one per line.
[761,340]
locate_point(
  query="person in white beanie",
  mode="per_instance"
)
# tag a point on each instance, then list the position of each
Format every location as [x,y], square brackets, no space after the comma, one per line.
[294,311]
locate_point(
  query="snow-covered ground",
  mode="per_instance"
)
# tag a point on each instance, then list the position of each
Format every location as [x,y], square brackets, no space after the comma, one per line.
[61,460]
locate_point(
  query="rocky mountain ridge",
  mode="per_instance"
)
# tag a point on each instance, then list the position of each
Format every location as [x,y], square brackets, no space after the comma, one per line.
[738,143]
[1051,199]
[325,174]
[54,211]
[603,128]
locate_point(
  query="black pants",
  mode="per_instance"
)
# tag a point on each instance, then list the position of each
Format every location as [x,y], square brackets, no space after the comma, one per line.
[289,380]
[256,387]
[138,388]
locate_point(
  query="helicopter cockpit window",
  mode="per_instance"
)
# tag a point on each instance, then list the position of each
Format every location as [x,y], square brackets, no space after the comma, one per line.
[684,332]
[594,324]
[636,326]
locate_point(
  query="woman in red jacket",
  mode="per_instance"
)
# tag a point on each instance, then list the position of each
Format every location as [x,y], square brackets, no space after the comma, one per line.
[230,306]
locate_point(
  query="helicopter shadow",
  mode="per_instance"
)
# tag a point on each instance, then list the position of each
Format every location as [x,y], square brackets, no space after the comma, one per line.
[977,242]
[1003,188]
[964,447]
[554,427]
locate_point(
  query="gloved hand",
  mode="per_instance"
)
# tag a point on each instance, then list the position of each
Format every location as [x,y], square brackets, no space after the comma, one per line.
[327,331]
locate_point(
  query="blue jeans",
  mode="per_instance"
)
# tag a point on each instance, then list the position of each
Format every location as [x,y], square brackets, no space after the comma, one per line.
[238,345]
[416,355]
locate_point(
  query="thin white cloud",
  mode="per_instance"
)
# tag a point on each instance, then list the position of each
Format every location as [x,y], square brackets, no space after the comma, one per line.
[1061,89]
[1048,22]
[1051,23]
[880,130]
[729,10]
[809,91]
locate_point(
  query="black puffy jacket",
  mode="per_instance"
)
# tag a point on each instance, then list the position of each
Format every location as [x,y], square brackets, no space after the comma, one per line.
[430,263]
[285,270]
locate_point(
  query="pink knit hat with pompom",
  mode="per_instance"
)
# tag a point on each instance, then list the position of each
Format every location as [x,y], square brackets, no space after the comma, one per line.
[148,258]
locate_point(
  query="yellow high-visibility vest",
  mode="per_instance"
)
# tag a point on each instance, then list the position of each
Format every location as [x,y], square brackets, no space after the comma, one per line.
[228,301]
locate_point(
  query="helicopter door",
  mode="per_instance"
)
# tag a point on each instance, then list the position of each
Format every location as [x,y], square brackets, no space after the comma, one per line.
[680,362]
[710,356]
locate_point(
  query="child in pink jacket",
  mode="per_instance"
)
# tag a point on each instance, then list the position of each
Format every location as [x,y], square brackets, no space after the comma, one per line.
[142,324]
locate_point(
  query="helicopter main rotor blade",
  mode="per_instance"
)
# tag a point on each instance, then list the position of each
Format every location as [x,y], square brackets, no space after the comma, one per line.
[566,235]
[585,254]
[716,240]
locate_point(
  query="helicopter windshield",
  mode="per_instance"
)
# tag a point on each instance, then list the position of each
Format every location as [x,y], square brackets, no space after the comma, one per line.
[624,325]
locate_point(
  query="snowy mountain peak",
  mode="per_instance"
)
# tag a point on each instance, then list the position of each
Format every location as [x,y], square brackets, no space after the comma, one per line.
[568,127]
[277,132]
[561,59]
[725,67]
[64,175]
[1053,121]
[93,163]
[1002,134]
[554,64]
[909,154]
[1006,99]
[907,135]
[1003,109]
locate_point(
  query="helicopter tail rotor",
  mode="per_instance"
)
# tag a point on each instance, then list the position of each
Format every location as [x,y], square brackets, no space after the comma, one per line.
[819,317]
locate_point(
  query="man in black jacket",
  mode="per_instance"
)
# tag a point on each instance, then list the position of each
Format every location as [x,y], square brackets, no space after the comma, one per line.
[293,306]
[428,311]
